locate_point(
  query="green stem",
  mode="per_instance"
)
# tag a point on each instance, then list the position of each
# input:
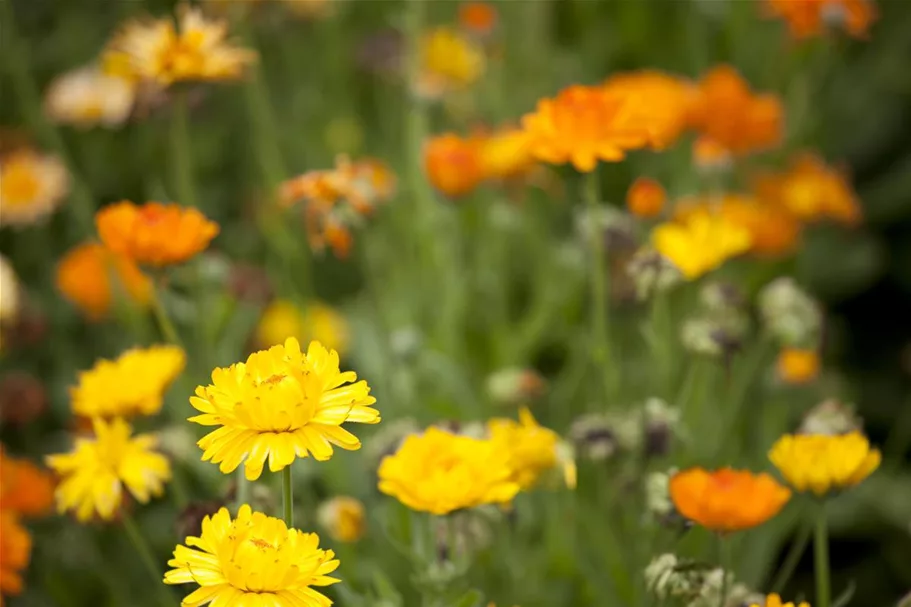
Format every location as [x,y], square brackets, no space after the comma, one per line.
[798,546]
[148,559]
[724,560]
[182,157]
[243,488]
[287,497]
[600,317]
[821,548]
[162,318]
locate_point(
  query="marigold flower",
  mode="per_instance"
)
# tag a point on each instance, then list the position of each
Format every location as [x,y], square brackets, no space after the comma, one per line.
[479,18]
[453,164]
[86,97]
[94,473]
[450,62]
[24,487]
[84,276]
[32,185]
[252,560]
[281,404]
[132,384]
[440,472]
[343,517]
[773,600]
[646,197]
[15,553]
[699,243]
[808,18]
[154,233]
[504,154]
[317,322]
[664,101]
[798,365]
[532,448]
[824,463]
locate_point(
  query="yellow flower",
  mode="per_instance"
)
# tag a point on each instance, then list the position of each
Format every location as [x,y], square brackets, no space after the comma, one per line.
[133,384]
[318,322]
[700,242]
[439,472]
[87,97]
[450,61]
[343,517]
[798,365]
[94,474]
[9,291]
[252,561]
[281,404]
[823,463]
[773,600]
[31,186]
[532,448]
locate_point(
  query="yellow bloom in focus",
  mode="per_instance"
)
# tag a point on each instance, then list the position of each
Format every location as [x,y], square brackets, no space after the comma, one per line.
[252,561]
[24,487]
[773,600]
[318,322]
[343,517]
[797,365]
[279,405]
[32,185]
[450,62]
[86,97]
[94,473]
[133,384]
[15,553]
[440,472]
[824,463]
[700,243]
[88,275]
[532,448]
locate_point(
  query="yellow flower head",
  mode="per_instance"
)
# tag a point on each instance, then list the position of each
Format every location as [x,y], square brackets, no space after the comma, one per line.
[439,472]
[450,61]
[253,560]
[700,243]
[279,405]
[773,600]
[133,384]
[532,448]
[798,365]
[283,319]
[343,517]
[31,186]
[823,463]
[94,474]
[86,97]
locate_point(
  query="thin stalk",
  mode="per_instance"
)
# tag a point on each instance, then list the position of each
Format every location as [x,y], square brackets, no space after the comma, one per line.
[287,497]
[148,559]
[182,156]
[600,317]
[798,546]
[162,318]
[724,560]
[243,488]
[821,548]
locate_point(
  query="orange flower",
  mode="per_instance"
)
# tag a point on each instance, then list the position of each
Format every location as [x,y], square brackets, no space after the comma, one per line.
[154,233]
[504,154]
[453,164]
[666,101]
[731,115]
[84,277]
[709,155]
[24,487]
[798,365]
[15,551]
[646,198]
[585,124]
[478,17]
[727,500]
[808,18]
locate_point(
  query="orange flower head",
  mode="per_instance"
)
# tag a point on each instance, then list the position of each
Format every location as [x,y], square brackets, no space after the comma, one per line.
[453,164]
[504,154]
[798,365]
[154,233]
[479,18]
[89,275]
[665,101]
[15,552]
[646,198]
[809,18]
[585,124]
[727,500]
[24,487]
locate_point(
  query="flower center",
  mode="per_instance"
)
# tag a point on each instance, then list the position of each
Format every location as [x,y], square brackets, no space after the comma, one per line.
[19,185]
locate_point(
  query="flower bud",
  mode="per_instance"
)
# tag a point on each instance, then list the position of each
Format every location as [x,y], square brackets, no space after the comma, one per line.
[662,422]
[722,297]
[830,417]
[343,518]
[515,386]
[789,314]
[652,273]
[657,495]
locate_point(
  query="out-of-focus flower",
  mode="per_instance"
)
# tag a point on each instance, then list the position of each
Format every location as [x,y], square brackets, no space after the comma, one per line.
[693,584]
[450,61]
[831,417]
[657,494]
[154,233]
[514,385]
[663,100]
[343,518]
[24,487]
[727,500]
[15,553]
[710,156]
[9,292]
[87,97]
[133,384]
[662,423]
[388,438]
[714,335]
[478,18]
[792,316]
[700,243]
[598,436]
[22,398]
[532,448]
[798,365]
[824,463]
[652,273]
[88,275]
[722,298]
[646,197]
[453,164]
[439,472]
[279,405]
[504,154]
[94,473]
[250,559]
[162,52]
[808,18]
[317,322]
[728,112]
[774,600]
[32,185]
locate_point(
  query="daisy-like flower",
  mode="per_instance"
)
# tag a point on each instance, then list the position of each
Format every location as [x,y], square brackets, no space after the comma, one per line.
[533,449]
[88,275]
[798,365]
[343,517]
[279,405]
[808,18]
[453,164]
[154,233]
[646,198]
[132,384]
[15,553]
[95,472]
[317,322]
[86,97]
[700,243]
[252,561]
[24,487]
[824,463]
[32,185]
[774,600]
[450,61]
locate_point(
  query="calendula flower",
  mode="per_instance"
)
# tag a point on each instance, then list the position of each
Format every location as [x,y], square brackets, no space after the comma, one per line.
[453,164]
[32,185]
[95,472]
[727,500]
[440,472]
[531,448]
[15,553]
[88,275]
[504,154]
[664,101]
[279,405]
[450,61]
[154,233]
[343,517]
[253,560]
[646,198]
[585,124]
[87,97]
[798,365]
[808,18]
[824,463]
[318,322]
[9,292]
[774,600]
[700,242]
[132,384]
[162,53]
[24,487]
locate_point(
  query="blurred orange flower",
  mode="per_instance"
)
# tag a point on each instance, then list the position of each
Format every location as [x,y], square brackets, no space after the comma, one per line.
[798,365]
[664,99]
[646,197]
[24,487]
[478,17]
[84,277]
[727,500]
[808,18]
[453,164]
[709,155]
[504,154]
[15,552]
[154,233]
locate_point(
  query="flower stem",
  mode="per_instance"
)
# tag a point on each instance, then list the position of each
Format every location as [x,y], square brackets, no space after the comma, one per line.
[145,554]
[792,559]
[821,548]
[724,560]
[161,317]
[243,488]
[287,497]
[182,157]
[599,287]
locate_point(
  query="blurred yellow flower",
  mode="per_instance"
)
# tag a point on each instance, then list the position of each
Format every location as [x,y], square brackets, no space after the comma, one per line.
[699,243]
[646,198]
[132,384]
[32,185]
[343,517]
[449,62]
[87,97]
[317,322]
[279,405]
[94,473]
[824,463]
[665,100]
[9,292]
[505,154]
[440,472]
[798,365]
[532,449]
[24,487]
[773,600]
[808,18]
[453,164]
[84,277]
[15,553]
[154,233]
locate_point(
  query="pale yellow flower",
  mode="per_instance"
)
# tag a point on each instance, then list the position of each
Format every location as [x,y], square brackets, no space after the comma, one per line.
[31,186]
[343,517]
[87,97]
[450,61]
